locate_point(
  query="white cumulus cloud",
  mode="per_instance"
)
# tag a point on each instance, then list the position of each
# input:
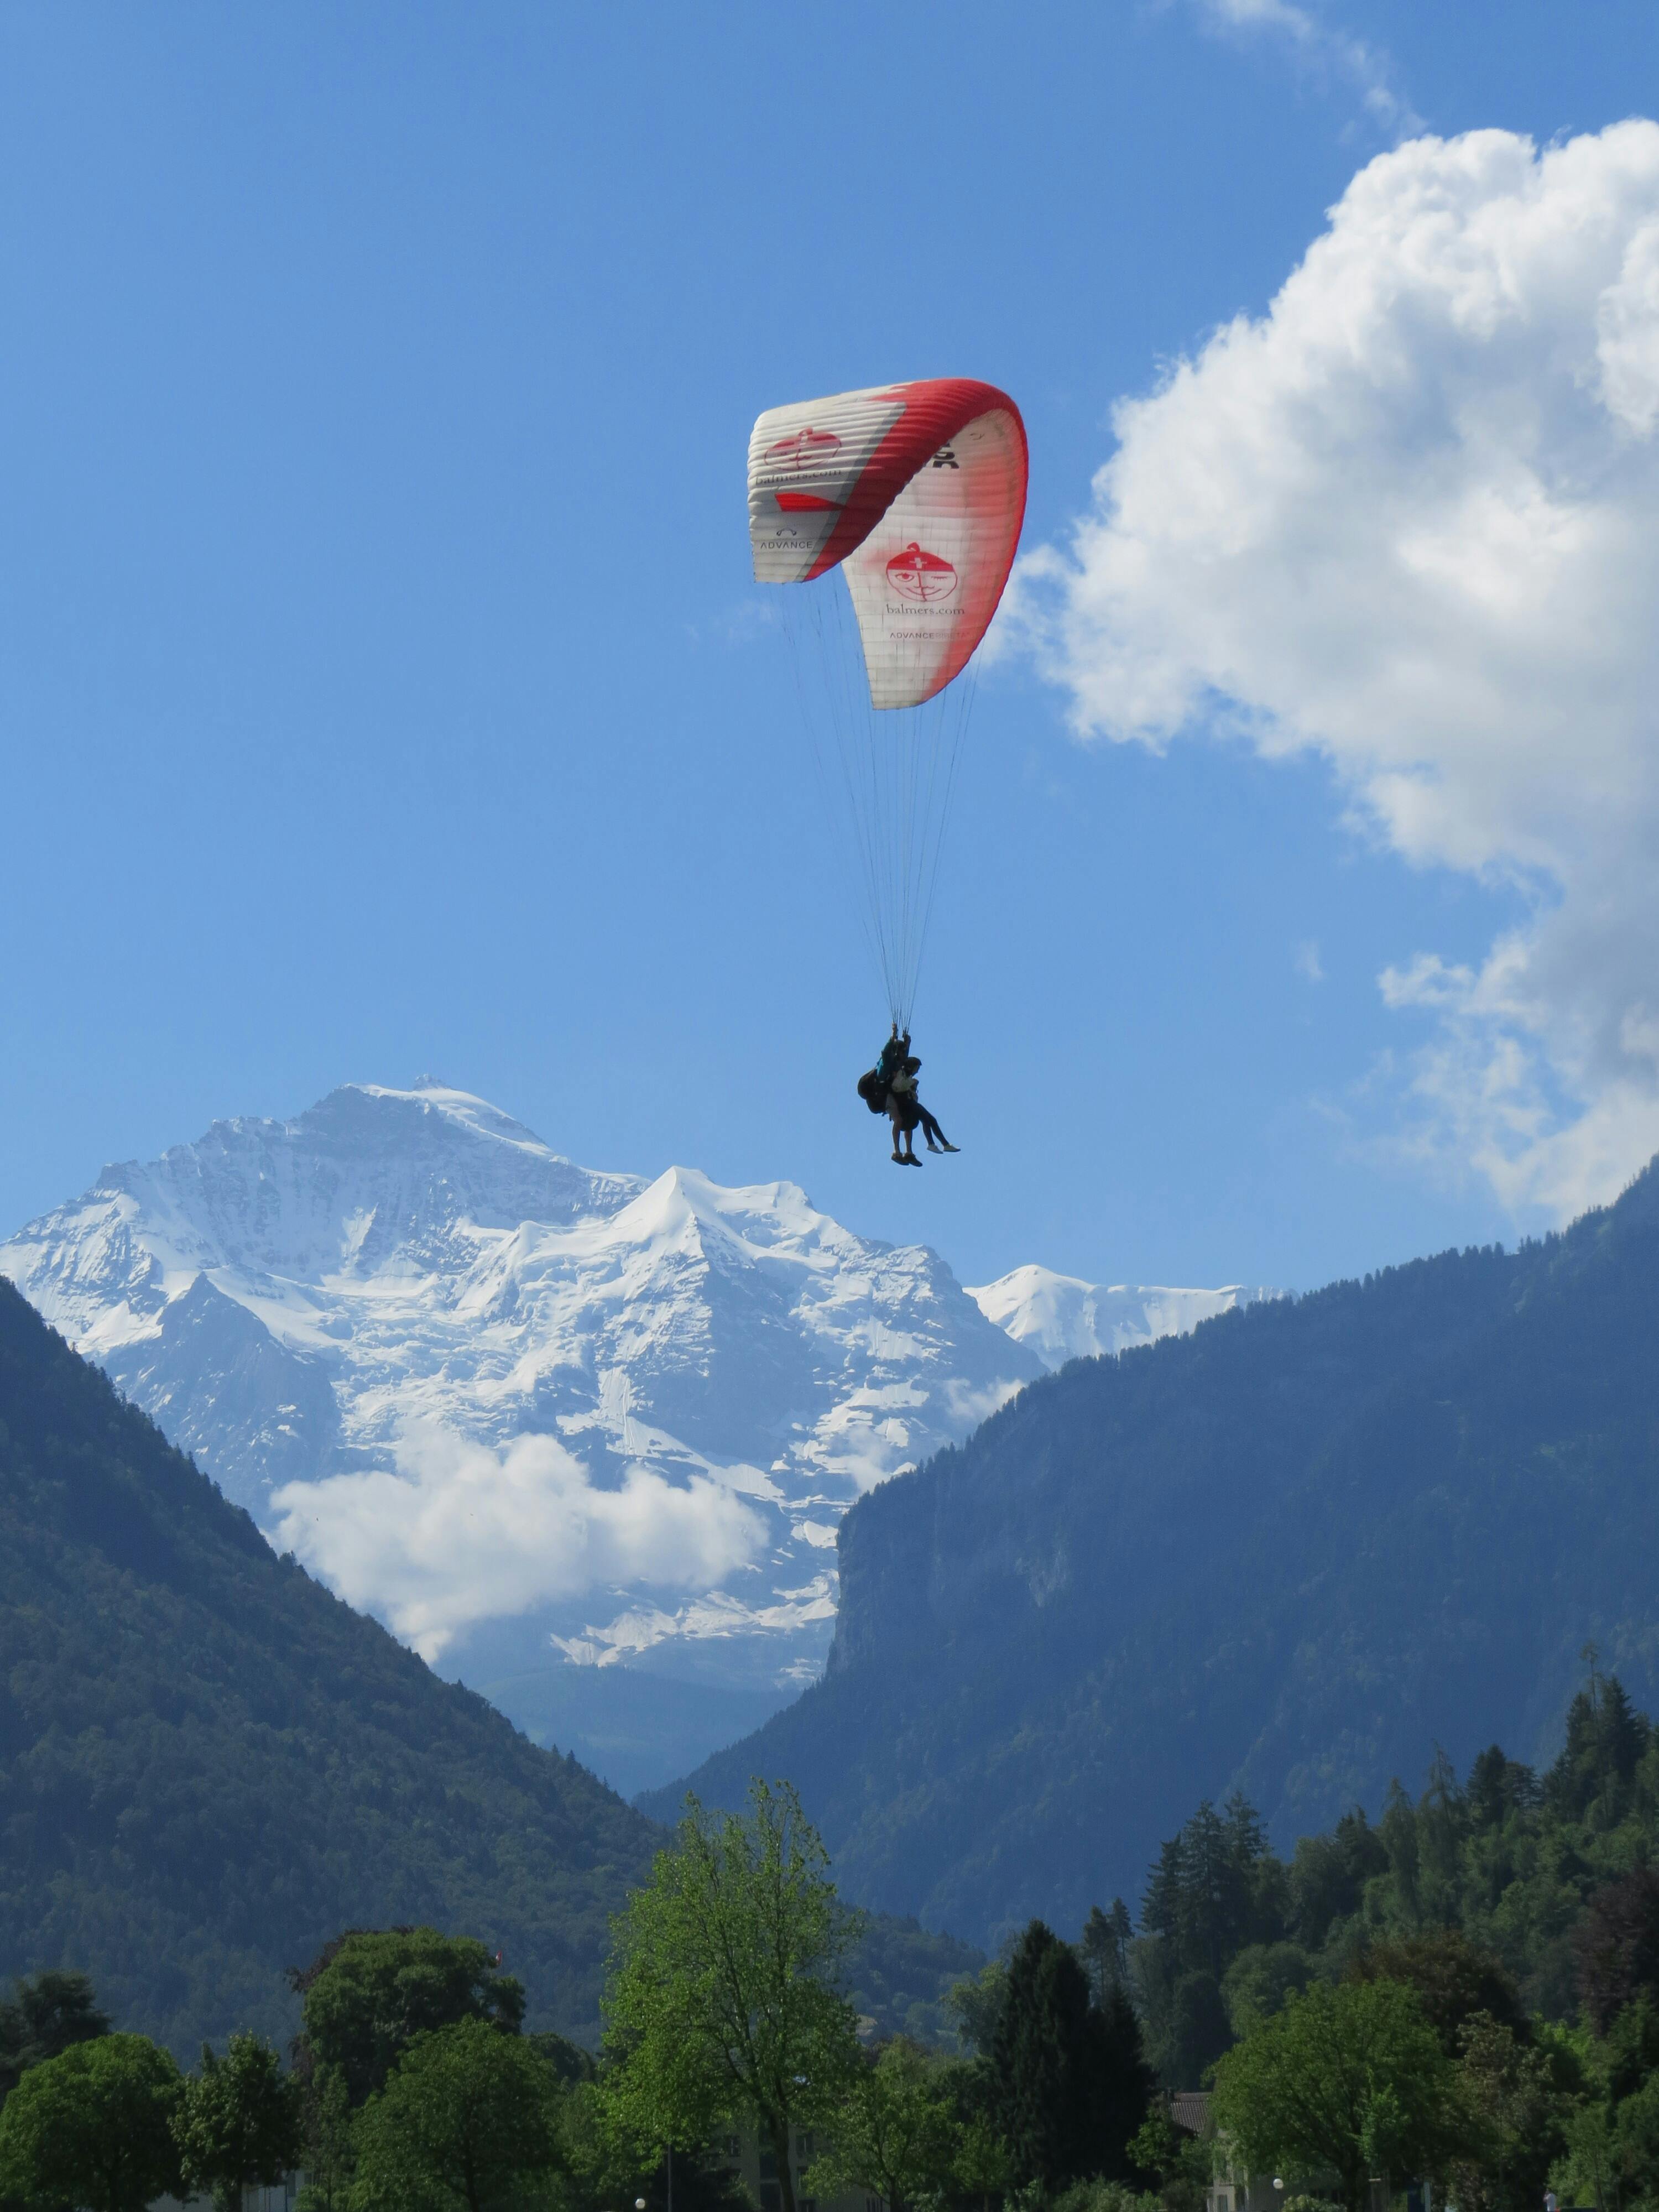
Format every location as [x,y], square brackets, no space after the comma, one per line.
[1409,520]
[458,1532]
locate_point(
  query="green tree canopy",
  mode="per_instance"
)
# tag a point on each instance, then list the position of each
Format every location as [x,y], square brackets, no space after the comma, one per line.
[45,2014]
[92,2127]
[722,2001]
[1258,1980]
[467,2122]
[1350,2081]
[1519,2101]
[1616,1947]
[896,2133]
[1455,1979]
[372,1991]
[238,2122]
[331,2151]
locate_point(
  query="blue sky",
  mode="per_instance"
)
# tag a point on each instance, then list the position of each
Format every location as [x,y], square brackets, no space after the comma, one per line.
[382,689]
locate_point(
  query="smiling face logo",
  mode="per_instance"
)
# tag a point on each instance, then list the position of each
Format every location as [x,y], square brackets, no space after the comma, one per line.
[920,577]
[804,449]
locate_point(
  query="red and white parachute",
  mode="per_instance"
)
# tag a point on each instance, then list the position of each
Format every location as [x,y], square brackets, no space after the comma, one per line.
[914,494]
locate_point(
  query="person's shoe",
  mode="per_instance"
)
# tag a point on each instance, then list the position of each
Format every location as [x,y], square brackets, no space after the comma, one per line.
[898,1160]
[947,1146]
[911,1161]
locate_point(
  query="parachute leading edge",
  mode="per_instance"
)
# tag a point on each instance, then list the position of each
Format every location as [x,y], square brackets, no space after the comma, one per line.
[918,490]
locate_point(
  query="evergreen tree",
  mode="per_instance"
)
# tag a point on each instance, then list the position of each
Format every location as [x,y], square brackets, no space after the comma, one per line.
[1606,1738]
[1069,2084]
[1329,1876]
[47,2014]
[1397,1831]
[1196,2030]
[1105,1948]
[1498,1787]
[1125,2081]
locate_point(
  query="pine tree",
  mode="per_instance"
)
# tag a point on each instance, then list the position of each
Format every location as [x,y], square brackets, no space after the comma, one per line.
[1070,2085]
[1105,1948]
[1606,1738]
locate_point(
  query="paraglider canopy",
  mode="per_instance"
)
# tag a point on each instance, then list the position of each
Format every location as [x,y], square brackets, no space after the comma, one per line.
[919,489]
[913,494]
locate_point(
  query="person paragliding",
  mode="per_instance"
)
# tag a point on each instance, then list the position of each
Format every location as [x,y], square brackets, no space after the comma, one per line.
[903,505]
[890,1088]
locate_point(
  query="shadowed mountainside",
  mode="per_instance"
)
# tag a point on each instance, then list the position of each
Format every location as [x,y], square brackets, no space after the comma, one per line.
[1284,1554]
[209,1764]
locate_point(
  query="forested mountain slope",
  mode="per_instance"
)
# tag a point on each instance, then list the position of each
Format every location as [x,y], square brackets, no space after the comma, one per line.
[209,1764]
[1282,1554]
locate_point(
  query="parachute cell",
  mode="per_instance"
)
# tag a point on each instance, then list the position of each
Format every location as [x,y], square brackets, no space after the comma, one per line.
[915,493]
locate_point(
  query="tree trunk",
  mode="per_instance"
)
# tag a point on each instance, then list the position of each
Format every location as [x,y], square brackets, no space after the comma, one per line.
[778,2129]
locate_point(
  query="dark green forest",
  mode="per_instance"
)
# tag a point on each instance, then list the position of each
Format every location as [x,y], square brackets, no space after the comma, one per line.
[1279,1556]
[209,1764]
[1512,1859]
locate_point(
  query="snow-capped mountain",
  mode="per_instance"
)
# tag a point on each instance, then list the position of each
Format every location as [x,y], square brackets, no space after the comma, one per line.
[583,1437]
[528,1413]
[1060,1318]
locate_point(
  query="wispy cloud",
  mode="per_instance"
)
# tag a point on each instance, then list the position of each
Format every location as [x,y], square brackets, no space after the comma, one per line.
[1307,963]
[1320,45]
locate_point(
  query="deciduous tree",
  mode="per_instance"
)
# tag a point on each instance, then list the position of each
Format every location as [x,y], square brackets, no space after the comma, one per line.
[721,2002]
[896,2133]
[372,1991]
[92,2127]
[239,2122]
[1351,2081]
[467,2122]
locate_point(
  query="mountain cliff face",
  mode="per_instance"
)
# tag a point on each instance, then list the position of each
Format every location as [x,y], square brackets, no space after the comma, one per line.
[209,1766]
[1281,1554]
[556,1428]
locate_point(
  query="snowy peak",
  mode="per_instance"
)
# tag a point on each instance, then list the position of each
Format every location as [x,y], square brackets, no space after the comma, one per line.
[490,1394]
[532,1414]
[1061,1317]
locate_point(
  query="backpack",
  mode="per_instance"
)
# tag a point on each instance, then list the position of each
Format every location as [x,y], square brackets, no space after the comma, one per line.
[873,1091]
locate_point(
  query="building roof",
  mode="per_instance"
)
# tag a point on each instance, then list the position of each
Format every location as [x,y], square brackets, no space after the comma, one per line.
[1190,2111]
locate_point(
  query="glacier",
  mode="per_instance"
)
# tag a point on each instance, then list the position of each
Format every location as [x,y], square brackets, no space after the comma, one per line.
[1061,1317]
[583,1439]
